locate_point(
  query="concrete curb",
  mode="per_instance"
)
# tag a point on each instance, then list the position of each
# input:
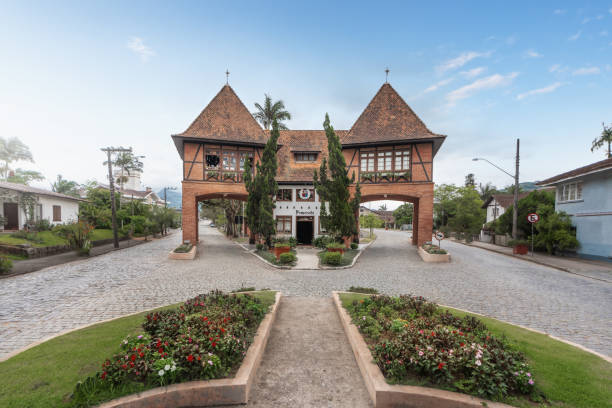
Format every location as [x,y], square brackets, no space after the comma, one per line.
[325,267]
[226,391]
[559,268]
[185,256]
[385,395]
[433,258]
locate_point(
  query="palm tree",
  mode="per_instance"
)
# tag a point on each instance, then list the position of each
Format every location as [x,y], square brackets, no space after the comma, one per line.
[127,163]
[64,186]
[606,137]
[12,150]
[486,190]
[270,112]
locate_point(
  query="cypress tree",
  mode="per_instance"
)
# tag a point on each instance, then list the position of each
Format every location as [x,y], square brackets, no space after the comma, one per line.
[334,190]
[262,188]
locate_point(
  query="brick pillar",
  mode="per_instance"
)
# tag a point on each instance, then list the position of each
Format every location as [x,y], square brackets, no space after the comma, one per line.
[190,217]
[425,215]
[415,222]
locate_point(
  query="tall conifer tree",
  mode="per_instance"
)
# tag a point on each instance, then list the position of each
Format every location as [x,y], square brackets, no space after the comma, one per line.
[334,190]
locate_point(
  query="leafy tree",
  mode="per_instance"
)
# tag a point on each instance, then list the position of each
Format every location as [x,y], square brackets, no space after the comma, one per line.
[64,186]
[270,112]
[232,209]
[262,188]
[445,205]
[470,180]
[12,150]
[96,210]
[486,190]
[403,214]
[604,138]
[22,176]
[555,232]
[541,202]
[340,221]
[469,215]
[371,221]
[383,207]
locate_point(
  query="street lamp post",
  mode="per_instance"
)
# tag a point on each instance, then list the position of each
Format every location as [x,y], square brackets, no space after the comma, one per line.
[515,176]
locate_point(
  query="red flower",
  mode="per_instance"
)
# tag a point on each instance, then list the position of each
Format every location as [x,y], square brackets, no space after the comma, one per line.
[124,366]
[190,358]
[214,344]
[161,350]
[131,364]
[433,333]
[104,375]
[133,357]
[199,358]
[441,365]
[461,344]
[141,355]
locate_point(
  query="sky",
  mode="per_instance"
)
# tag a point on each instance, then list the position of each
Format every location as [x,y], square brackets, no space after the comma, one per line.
[78,76]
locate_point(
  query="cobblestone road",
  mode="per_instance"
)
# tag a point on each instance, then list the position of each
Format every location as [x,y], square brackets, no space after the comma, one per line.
[44,303]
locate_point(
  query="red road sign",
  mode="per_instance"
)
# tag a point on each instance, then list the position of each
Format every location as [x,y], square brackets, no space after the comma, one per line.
[533,218]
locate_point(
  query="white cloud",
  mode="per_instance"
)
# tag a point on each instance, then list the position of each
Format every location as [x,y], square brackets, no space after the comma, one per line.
[603,33]
[546,89]
[575,36]
[137,45]
[586,71]
[559,11]
[461,60]
[610,10]
[586,20]
[490,82]
[511,40]
[557,68]
[474,72]
[438,85]
[532,54]
[599,17]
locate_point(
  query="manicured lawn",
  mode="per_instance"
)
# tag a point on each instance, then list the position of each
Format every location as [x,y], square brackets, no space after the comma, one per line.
[99,234]
[568,376]
[45,375]
[47,238]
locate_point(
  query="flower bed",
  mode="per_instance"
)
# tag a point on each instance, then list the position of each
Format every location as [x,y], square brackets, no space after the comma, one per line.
[414,342]
[432,253]
[205,338]
[433,249]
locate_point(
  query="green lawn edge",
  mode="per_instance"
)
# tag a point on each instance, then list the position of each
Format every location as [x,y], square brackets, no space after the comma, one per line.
[568,376]
[49,238]
[45,375]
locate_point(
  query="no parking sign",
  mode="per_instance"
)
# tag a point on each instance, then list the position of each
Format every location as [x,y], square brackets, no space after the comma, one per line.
[532,218]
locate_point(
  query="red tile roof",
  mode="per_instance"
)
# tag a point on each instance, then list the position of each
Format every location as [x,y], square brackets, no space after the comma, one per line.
[598,166]
[504,200]
[292,141]
[388,118]
[226,118]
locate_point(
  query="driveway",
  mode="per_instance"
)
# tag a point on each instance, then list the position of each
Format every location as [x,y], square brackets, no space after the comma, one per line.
[45,303]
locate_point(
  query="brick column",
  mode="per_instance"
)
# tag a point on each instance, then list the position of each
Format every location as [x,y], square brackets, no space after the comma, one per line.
[415,222]
[425,216]
[190,217]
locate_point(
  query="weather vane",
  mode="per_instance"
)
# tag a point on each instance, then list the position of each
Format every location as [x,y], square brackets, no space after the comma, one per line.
[387,75]
[227,76]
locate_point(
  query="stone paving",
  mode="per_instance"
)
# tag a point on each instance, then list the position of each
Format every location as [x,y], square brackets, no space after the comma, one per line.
[44,303]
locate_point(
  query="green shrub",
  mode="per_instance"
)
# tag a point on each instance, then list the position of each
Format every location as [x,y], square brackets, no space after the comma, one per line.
[292,242]
[281,245]
[29,236]
[184,248]
[354,245]
[43,225]
[433,249]
[335,245]
[287,258]
[78,234]
[260,246]
[332,258]
[359,289]
[322,241]
[5,265]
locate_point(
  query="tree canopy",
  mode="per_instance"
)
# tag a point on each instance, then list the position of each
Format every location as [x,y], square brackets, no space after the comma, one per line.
[270,112]
[403,214]
[603,139]
[63,186]
[14,150]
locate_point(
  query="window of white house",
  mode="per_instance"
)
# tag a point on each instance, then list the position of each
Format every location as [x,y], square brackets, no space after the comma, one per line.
[283,224]
[367,161]
[305,157]
[570,192]
[385,161]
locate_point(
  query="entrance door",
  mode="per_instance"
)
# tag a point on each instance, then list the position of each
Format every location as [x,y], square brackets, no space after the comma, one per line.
[305,230]
[11,213]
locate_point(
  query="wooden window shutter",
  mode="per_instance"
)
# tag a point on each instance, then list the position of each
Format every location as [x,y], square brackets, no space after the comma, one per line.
[57,213]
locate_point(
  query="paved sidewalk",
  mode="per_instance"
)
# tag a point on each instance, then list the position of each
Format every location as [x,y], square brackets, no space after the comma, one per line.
[308,361]
[601,270]
[307,258]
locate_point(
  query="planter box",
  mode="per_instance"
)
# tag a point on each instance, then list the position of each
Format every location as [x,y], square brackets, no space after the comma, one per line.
[225,391]
[391,396]
[184,255]
[341,250]
[278,251]
[427,257]
[520,250]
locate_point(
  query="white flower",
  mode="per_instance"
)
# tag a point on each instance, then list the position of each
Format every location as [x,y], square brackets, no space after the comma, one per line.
[363,318]
[478,363]
[167,367]
[173,368]
[161,373]
[210,362]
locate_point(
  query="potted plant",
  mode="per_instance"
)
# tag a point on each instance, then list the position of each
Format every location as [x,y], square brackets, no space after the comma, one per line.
[519,246]
[281,248]
[336,247]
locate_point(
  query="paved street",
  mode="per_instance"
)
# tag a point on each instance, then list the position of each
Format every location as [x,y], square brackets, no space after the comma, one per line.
[44,303]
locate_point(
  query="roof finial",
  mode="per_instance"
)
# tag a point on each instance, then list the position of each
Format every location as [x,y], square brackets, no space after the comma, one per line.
[387,75]
[227,76]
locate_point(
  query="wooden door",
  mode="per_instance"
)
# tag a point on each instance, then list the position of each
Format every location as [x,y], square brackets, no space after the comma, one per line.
[11,213]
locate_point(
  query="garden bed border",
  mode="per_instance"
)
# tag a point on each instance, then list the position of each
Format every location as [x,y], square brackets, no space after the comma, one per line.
[189,255]
[433,258]
[224,391]
[387,395]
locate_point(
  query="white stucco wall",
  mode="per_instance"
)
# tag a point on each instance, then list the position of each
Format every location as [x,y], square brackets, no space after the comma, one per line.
[296,208]
[491,207]
[69,210]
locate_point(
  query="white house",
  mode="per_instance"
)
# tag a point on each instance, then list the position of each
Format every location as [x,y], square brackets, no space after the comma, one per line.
[55,207]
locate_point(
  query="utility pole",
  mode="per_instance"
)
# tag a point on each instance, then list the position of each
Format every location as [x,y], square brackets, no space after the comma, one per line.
[516,193]
[166,201]
[109,151]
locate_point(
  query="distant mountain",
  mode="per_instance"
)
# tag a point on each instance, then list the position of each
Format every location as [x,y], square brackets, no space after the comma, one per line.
[174,197]
[525,186]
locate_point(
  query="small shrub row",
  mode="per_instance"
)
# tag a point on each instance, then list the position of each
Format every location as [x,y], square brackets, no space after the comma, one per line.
[6,265]
[322,241]
[287,258]
[335,245]
[433,249]
[184,248]
[332,258]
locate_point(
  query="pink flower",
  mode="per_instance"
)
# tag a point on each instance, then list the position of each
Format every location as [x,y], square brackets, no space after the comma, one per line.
[531,382]
[420,353]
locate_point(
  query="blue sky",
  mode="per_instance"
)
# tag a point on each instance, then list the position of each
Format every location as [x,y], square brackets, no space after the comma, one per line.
[76,76]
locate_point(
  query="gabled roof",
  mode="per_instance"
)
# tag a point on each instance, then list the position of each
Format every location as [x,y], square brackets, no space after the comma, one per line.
[291,141]
[581,171]
[388,118]
[504,200]
[225,119]
[22,188]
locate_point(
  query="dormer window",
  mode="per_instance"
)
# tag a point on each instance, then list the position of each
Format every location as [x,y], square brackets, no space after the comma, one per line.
[305,157]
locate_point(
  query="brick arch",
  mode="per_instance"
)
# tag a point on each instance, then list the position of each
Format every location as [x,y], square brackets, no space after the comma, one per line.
[419,194]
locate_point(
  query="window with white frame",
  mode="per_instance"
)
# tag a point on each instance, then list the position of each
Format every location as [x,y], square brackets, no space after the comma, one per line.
[367,161]
[570,192]
[385,161]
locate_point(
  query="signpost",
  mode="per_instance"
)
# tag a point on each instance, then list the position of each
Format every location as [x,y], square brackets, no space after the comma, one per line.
[439,236]
[532,218]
